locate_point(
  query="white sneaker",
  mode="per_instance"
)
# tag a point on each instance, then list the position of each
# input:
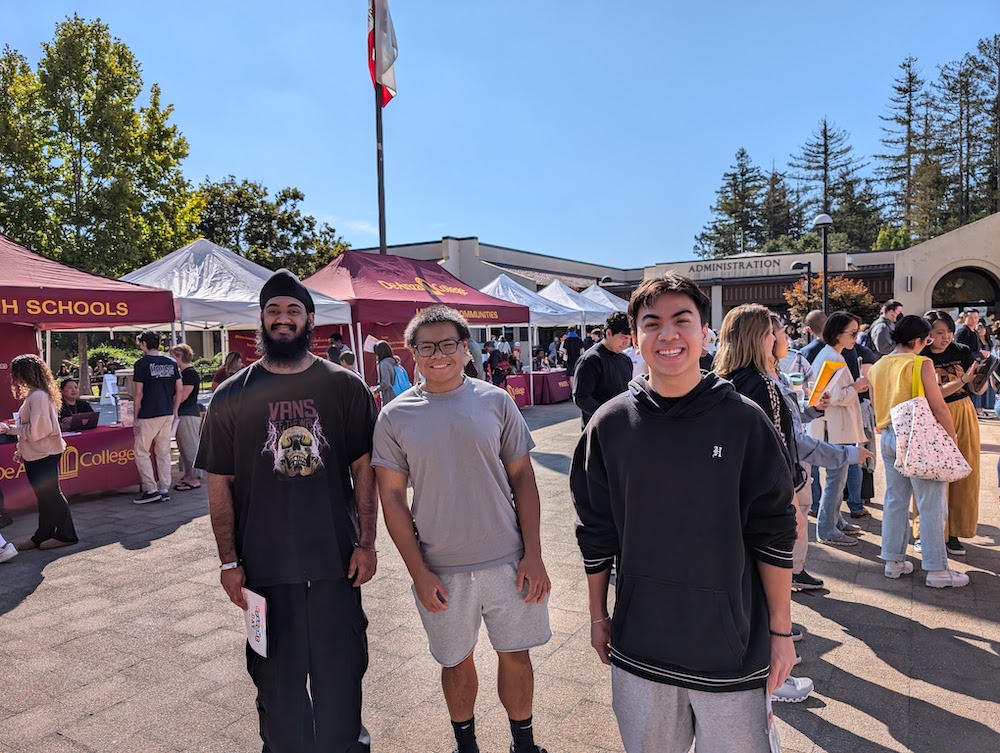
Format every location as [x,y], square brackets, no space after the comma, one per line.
[8,552]
[946,579]
[895,569]
[794,690]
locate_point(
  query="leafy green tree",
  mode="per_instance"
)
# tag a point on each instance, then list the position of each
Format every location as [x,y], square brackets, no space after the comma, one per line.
[272,232]
[822,160]
[96,182]
[737,224]
[900,139]
[931,186]
[891,238]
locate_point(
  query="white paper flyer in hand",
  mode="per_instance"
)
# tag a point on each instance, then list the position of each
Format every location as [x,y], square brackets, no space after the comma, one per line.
[773,738]
[256,620]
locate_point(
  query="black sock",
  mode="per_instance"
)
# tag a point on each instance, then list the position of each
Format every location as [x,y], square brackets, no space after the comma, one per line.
[524,736]
[465,736]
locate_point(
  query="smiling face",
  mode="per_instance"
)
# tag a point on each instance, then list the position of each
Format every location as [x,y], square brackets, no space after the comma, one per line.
[285,329]
[442,372]
[669,334]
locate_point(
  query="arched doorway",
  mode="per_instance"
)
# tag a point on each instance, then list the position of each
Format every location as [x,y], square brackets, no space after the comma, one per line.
[966,288]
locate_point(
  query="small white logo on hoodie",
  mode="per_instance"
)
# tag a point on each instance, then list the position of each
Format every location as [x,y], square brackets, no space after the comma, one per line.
[717,451]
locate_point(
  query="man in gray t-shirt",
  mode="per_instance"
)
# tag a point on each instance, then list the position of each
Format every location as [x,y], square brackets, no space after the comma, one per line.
[471,538]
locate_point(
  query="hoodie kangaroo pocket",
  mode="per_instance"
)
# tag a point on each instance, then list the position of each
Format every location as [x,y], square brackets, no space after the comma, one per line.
[672,624]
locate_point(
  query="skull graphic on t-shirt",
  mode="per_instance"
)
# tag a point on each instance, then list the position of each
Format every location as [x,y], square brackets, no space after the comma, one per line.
[295,439]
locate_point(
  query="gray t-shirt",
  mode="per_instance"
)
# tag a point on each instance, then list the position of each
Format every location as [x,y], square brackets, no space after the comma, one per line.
[452,446]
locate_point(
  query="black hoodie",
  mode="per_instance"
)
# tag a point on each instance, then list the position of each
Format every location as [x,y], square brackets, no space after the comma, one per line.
[688,494]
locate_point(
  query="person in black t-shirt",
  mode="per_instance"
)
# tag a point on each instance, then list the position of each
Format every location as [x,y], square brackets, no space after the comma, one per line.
[71,402]
[188,419]
[291,489]
[573,345]
[157,386]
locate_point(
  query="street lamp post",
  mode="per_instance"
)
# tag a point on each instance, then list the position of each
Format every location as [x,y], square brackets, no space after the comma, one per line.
[823,223]
[808,267]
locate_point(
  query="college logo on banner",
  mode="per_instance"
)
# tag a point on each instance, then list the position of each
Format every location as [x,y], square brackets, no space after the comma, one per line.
[69,463]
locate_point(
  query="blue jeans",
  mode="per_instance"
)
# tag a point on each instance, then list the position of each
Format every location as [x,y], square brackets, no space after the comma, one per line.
[829,522]
[854,501]
[932,504]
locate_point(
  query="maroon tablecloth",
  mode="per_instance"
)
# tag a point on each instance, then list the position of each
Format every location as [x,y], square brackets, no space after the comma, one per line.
[551,386]
[95,461]
[517,388]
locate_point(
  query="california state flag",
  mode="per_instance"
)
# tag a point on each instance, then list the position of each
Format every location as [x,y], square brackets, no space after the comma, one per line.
[385,37]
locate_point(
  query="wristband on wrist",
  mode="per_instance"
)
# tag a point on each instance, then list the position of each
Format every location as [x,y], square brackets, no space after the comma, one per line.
[776,634]
[603,619]
[229,565]
[368,548]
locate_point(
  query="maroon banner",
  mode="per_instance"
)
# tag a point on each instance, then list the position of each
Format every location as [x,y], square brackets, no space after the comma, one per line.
[517,388]
[15,340]
[97,460]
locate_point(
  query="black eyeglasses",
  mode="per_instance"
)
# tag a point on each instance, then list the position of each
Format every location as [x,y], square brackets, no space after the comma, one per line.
[447,347]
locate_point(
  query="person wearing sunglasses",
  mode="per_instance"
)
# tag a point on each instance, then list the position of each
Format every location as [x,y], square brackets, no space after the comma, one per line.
[841,424]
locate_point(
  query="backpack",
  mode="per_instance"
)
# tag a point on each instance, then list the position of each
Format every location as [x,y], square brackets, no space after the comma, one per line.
[400,380]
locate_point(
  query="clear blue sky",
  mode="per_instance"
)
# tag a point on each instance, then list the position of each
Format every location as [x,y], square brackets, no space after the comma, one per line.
[598,131]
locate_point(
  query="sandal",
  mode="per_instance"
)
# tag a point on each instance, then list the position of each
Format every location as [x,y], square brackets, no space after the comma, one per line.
[184,486]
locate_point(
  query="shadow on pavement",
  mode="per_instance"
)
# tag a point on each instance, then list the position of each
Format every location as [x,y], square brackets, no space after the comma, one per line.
[100,522]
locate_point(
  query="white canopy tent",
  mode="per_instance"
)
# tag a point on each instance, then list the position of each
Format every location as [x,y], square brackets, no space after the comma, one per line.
[214,286]
[599,295]
[543,312]
[590,312]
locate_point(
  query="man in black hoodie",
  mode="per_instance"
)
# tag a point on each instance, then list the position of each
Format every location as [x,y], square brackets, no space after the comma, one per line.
[686,485]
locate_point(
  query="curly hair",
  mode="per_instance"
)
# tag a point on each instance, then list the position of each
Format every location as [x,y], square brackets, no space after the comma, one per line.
[29,372]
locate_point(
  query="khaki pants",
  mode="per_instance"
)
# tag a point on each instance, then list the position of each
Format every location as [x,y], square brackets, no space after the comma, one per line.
[188,436]
[153,434]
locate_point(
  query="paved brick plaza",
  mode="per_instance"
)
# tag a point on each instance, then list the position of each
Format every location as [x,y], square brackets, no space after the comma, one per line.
[127,643]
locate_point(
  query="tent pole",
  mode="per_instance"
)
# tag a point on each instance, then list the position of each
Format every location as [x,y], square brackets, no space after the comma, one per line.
[48,347]
[359,355]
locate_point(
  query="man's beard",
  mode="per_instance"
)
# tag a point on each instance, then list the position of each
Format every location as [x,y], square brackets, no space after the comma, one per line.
[284,352]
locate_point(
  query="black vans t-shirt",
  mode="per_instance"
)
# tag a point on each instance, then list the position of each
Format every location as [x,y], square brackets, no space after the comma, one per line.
[951,364]
[190,378]
[159,376]
[289,440]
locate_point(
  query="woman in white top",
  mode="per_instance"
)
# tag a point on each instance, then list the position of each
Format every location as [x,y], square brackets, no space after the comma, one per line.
[40,445]
[841,424]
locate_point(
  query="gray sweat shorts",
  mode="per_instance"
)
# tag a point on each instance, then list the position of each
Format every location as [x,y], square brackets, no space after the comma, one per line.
[658,718]
[489,596]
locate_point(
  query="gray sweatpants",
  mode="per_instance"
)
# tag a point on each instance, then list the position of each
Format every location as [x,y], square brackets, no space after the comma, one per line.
[657,718]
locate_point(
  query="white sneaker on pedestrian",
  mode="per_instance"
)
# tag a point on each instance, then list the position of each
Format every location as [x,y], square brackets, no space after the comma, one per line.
[895,569]
[946,579]
[793,690]
[918,547]
[8,552]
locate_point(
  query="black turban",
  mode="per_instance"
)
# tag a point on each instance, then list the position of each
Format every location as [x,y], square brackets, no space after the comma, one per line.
[284,282]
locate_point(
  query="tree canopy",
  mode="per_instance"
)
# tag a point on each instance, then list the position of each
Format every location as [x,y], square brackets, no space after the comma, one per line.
[87,175]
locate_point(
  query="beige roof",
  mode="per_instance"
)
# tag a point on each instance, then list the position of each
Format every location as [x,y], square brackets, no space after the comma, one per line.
[544,278]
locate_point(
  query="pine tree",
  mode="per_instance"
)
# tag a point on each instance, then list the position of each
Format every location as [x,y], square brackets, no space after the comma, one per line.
[961,104]
[737,224]
[857,212]
[780,212]
[931,214]
[822,159]
[989,56]
[900,139]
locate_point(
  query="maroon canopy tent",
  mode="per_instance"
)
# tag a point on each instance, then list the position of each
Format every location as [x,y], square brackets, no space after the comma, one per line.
[36,292]
[41,292]
[386,291]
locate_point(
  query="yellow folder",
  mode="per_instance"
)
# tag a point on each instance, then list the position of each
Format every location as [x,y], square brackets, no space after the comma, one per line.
[826,373]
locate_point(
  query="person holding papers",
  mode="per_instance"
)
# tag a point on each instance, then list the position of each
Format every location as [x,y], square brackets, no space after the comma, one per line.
[841,423]
[291,490]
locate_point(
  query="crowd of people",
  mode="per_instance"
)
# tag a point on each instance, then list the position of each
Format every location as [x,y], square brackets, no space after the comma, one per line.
[693,479]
